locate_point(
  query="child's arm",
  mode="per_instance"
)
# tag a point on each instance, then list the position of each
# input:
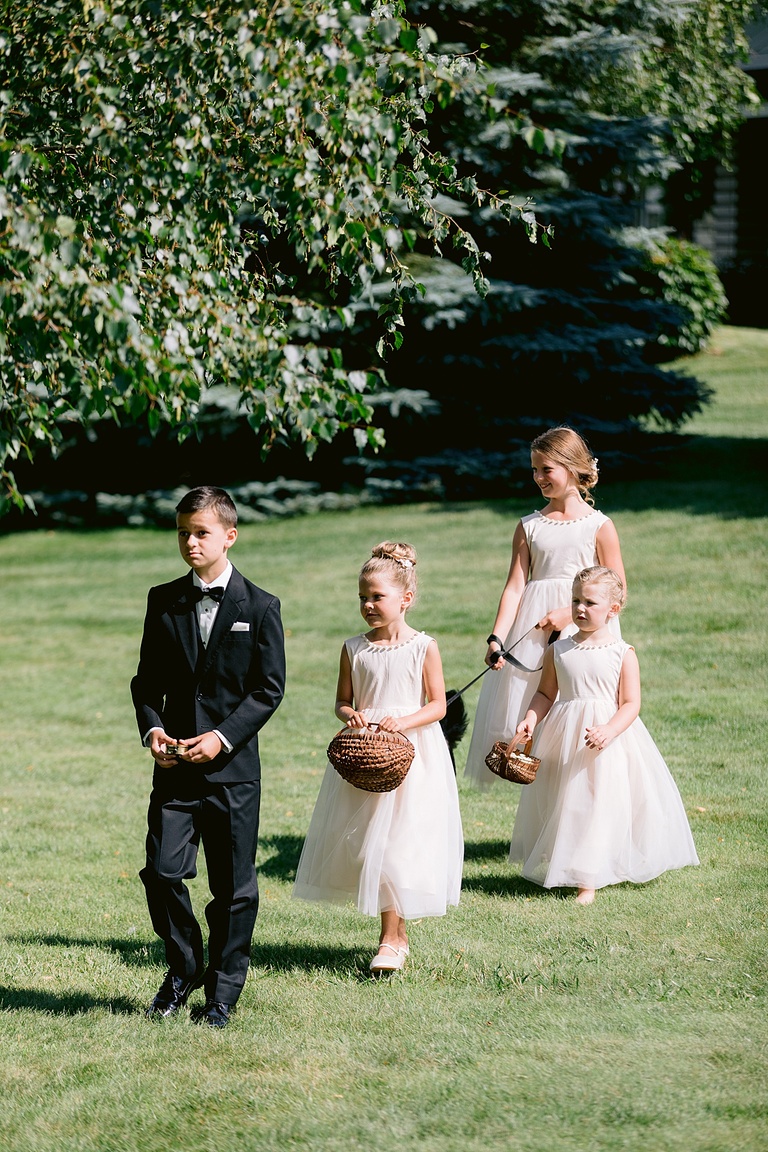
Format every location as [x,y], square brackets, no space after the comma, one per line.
[543,699]
[148,686]
[434,691]
[601,735]
[517,578]
[345,708]
[609,550]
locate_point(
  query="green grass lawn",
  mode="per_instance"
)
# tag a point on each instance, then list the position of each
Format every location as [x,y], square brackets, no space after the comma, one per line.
[523,1021]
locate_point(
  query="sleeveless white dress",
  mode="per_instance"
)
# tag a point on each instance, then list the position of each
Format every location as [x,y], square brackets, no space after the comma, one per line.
[401,850]
[595,818]
[558,550]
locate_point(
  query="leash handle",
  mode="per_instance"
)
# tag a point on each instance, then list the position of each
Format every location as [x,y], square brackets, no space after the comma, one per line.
[505,655]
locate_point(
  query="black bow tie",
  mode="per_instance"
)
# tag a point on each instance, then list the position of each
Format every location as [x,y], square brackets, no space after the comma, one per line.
[216,594]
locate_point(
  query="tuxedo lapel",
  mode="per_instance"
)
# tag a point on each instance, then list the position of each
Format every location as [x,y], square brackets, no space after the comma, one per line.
[185,616]
[229,611]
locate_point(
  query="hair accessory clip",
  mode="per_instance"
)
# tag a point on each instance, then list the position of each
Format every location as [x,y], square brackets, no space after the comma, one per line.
[402,561]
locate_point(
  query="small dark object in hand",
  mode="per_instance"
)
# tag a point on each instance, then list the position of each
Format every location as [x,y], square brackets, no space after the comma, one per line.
[512,761]
[455,722]
[174,749]
[371,759]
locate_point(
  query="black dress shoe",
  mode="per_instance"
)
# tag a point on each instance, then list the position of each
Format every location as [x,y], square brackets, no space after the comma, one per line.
[213,1013]
[173,994]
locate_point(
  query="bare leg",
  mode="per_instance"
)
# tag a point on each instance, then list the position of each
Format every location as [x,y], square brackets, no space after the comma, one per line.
[393,930]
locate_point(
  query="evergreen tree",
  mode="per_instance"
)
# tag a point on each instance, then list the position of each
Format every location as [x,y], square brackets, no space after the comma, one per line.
[591,102]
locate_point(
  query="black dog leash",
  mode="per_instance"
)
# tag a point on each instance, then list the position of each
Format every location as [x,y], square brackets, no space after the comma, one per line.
[505,654]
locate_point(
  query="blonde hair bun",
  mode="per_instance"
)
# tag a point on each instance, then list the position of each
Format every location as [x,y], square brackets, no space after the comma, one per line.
[395,560]
[402,554]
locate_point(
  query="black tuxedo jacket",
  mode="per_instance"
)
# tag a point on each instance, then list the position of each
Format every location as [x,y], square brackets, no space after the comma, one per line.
[234,685]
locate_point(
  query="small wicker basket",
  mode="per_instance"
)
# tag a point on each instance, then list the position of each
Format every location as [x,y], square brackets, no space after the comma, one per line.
[370,759]
[513,761]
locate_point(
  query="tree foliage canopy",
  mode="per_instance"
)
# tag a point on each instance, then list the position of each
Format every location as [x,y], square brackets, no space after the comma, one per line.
[593,102]
[152,159]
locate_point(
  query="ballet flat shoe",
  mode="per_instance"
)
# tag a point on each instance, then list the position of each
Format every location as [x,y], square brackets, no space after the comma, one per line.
[393,962]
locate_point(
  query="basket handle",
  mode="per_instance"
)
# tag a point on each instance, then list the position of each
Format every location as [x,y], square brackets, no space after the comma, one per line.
[374,726]
[515,745]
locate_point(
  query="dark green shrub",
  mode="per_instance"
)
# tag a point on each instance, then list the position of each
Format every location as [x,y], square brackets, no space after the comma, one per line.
[684,275]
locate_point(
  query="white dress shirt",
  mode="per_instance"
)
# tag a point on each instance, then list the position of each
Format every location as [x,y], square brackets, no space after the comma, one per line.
[207,608]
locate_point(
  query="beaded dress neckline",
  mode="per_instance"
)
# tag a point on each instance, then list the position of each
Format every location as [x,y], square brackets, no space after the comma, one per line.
[575,520]
[582,644]
[389,647]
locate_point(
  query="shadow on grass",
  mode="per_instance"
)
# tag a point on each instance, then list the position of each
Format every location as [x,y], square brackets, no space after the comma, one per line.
[508,884]
[283,860]
[703,475]
[309,957]
[486,849]
[70,1004]
[332,962]
[133,952]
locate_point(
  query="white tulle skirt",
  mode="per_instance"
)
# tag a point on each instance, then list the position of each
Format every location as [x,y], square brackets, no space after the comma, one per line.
[400,850]
[591,819]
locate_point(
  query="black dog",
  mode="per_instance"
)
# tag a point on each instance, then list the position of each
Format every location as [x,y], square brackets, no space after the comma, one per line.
[454,723]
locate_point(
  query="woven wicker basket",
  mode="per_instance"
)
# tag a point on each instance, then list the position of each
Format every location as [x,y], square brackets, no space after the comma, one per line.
[513,761]
[370,759]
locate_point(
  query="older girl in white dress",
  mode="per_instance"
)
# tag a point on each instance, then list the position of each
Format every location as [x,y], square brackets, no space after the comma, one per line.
[397,854]
[548,549]
[604,807]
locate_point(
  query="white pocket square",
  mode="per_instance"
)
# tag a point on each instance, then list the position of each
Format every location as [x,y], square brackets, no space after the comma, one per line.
[240,626]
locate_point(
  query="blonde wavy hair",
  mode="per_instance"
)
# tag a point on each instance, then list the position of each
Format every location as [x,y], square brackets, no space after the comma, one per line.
[566,447]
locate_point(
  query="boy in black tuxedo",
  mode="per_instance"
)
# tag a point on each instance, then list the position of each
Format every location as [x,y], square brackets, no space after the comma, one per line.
[211,672]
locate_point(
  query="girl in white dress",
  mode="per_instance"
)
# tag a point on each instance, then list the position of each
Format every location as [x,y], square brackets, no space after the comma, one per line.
[603,807]
[397,854]
[548,549]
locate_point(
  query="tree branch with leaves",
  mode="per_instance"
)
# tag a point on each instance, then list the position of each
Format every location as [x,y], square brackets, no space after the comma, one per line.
[152,161]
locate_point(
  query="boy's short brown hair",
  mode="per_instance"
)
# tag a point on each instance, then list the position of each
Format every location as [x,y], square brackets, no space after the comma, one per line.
[206,498]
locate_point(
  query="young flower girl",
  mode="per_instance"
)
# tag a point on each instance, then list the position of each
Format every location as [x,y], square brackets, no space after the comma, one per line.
[397,854]
[548,548]
[603,808]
